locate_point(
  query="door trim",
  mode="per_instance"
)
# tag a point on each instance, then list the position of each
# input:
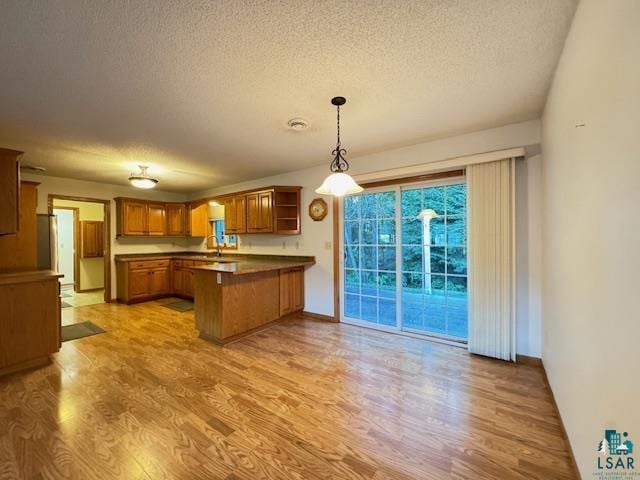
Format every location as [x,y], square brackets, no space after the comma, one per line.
[106,233]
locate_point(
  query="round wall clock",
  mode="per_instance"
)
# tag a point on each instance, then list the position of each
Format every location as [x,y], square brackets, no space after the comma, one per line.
[318,209]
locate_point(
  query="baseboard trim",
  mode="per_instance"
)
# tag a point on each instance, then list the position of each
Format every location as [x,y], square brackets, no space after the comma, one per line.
[85,290]
[574,464]
[320,316]
[527,360]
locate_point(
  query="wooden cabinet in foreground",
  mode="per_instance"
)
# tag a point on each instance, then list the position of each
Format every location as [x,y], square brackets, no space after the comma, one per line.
[144,218]
[30,320]
[20,250]
[9,191]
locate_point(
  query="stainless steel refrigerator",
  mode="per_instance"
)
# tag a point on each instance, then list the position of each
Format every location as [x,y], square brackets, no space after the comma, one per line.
[47,242]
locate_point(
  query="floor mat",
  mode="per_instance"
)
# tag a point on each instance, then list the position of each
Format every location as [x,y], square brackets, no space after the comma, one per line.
[65,295]
[80,330]
[66,305]
[182,306]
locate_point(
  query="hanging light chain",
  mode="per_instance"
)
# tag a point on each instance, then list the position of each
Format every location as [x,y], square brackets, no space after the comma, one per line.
[339,163]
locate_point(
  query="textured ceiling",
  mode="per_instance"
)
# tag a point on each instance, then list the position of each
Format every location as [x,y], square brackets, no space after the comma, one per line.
[201,91]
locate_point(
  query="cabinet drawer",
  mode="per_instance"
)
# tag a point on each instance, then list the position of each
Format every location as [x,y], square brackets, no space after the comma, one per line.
[149,264]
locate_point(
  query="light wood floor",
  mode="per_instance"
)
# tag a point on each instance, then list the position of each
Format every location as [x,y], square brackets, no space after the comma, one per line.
[303,400]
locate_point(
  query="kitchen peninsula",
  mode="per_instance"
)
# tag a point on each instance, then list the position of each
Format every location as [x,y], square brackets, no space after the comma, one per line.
[234,294]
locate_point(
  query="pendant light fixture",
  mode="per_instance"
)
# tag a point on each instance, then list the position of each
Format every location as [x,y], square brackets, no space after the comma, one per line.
[142,179]
[339,183]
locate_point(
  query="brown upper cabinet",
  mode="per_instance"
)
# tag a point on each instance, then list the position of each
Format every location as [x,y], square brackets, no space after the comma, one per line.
[9,191]
[156,219]
[136,217]
[260,212]
[235,214]
[92,234]
[176,219]
[269,210]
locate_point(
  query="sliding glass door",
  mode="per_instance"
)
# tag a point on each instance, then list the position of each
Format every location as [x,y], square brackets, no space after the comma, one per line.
[405,259]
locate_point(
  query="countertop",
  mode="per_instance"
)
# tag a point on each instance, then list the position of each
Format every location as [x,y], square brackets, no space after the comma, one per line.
[233,263]
[25,276]
[255,265]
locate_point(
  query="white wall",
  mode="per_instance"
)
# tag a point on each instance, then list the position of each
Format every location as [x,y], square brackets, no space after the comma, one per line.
[316,238]
[591,234]
[65,186]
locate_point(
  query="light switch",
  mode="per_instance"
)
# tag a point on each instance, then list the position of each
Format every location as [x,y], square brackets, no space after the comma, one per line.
[328,245]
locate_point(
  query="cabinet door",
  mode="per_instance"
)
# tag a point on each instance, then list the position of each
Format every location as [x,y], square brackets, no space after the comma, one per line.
[260,212]
[178,279]
[134,218]
[92,239]
[199,219]
[9,191]
[240,204]
[297,289]
[285,292]
[139,283]
[157,221]
[265,201]
[188,282]
[253,213]
[176,214]
[159,282]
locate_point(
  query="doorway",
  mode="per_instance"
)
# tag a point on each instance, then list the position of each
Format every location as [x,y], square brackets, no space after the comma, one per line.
[404,262]
[83,250]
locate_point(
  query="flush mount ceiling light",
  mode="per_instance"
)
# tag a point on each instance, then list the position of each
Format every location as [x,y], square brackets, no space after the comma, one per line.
[142,179]
[339,183]
[297,124]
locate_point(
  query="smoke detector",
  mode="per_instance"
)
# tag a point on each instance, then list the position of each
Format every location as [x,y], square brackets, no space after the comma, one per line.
[297,124]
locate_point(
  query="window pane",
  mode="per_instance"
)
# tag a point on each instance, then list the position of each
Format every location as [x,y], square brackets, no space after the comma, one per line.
[412,259]
[387,284]
[387,232]
[412,282]
[368,206]
[456,199]
[368,232]
[353,256]
[386,207]
[352,306]
[387,258]
[352,281]
[456,231]
[434,199]
[351,233]
[437,259]
[368,258]
[352,208]
[369,285]
[370,309]
[436,230]
[457,260]
[412,231]
[387,312]
[411,203]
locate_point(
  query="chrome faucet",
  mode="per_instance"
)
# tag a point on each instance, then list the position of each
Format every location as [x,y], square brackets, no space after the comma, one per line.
[218,251]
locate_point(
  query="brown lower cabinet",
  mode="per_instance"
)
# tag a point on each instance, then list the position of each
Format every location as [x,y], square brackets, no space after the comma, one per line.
[291,290]
[29,319]
[143,280]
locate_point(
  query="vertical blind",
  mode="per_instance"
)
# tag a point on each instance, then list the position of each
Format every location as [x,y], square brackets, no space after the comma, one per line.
[491,223]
